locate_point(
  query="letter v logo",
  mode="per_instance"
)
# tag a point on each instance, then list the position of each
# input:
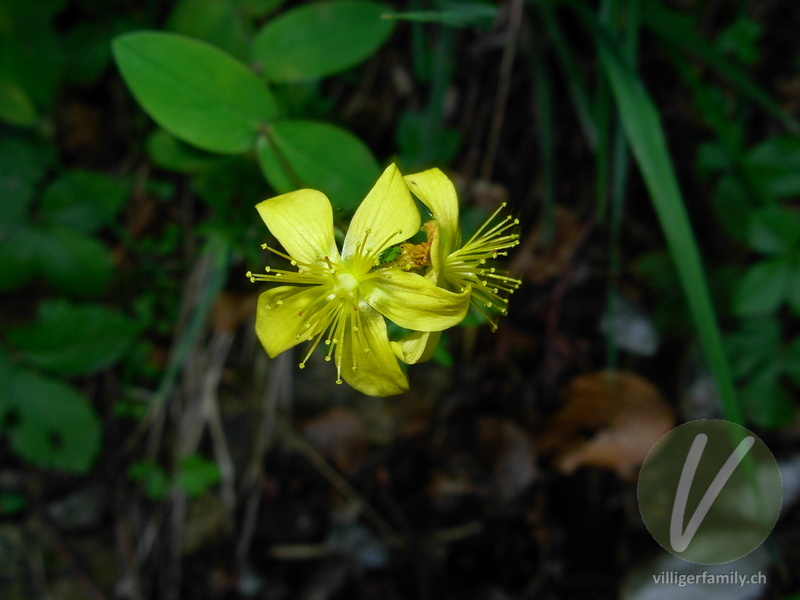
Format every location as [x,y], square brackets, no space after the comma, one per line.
[680,540]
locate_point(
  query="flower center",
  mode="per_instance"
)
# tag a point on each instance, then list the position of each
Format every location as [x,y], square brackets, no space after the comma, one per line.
[345,285]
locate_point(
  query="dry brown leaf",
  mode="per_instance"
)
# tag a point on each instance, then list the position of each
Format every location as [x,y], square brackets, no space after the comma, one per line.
[609,420]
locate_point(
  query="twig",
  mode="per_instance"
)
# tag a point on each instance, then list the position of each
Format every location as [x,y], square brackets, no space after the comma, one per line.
[503,86]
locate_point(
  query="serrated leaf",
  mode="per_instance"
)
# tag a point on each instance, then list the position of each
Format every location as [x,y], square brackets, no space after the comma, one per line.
[195,91]
[755,345]
[320,39]
[84,200]
[295,154]
[54,427]
[761,289]
[74,339]
[73,262]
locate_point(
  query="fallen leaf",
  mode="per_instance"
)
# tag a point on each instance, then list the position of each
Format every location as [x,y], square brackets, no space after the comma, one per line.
[610,420]
[510,452]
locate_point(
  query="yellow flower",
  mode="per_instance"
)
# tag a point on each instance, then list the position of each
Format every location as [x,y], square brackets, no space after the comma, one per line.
[460,267]
[343,298]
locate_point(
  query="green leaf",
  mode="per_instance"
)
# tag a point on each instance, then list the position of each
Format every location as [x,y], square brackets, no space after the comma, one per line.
[19,257]
[453,14]
[23,162]
[761,289]
[87,51]
[320,39]
[53,426]
[793,282]
[773,230]
[295,154]
[30,52]
[73,262]
[791,360]
[218,22]
[754,346]
[16,106]
[84,200]
[674,28]
[74,339]
[259,8]
[766,402]
[168,152]
[155,480]
[775,167]
[11,503]
[197,474]
[194,91]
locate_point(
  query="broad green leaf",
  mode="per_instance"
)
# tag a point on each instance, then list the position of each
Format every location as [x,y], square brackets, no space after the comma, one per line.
[84,200]
[733,205]
[423,141]
[218,22]
[646,138]
[73,262]
[297,154]
[775,166]
[168,152]
[762,288]
[774,230]
[196,92]
[53,425]
[74,339]
[15,105]
[320,39]
[454,14]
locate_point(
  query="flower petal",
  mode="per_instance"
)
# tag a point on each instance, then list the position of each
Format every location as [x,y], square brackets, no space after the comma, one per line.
[417,347]
[303,223]
[437,192]
[387,210]
[415,303]
[377,372]
[278,324]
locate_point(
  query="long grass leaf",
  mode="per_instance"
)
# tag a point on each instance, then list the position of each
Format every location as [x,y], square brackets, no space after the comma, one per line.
[647,141]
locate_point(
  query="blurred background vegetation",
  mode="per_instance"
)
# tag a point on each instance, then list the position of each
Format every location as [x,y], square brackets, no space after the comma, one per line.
[150,449]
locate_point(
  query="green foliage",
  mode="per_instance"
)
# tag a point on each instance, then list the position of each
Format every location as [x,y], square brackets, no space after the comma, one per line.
[195,91]
[320,39]
[195,476]
[73,340]
[47,422]
[454,14]
[295,153]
